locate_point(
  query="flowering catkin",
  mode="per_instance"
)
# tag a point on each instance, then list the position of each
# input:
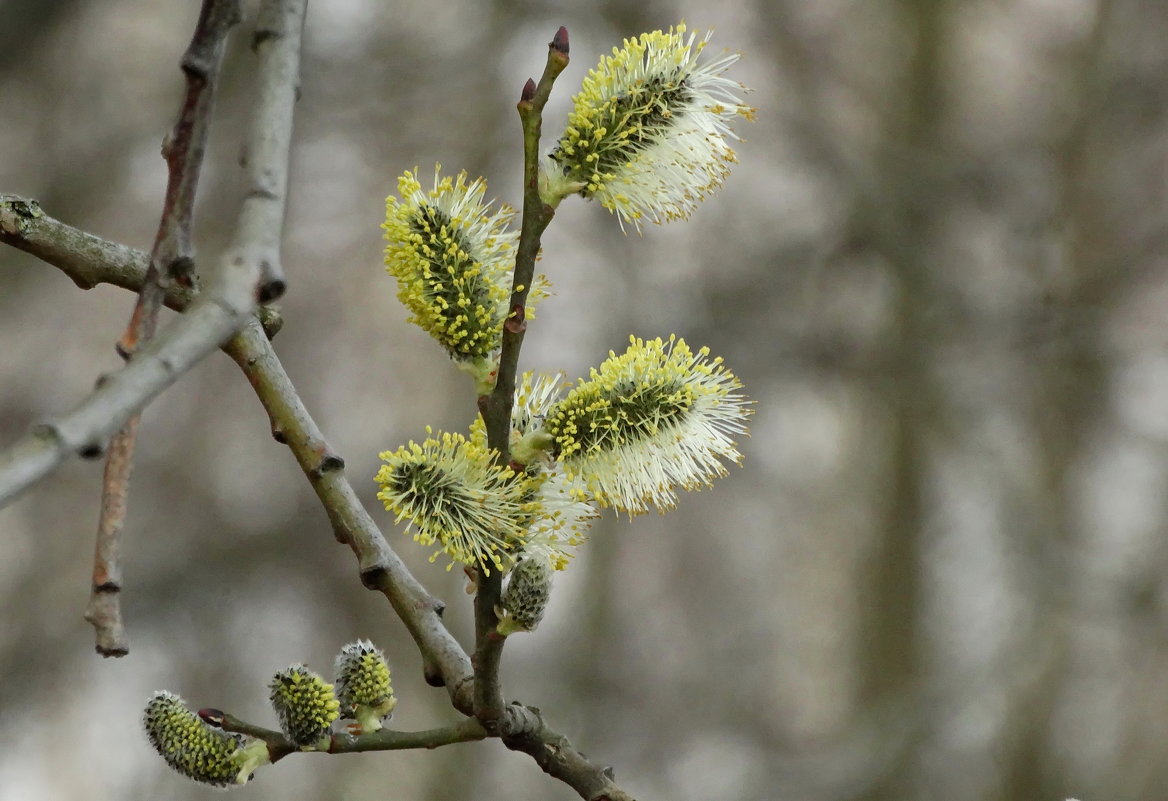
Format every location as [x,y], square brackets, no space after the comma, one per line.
[655,419]
[454,495]
[648,129]
[453,258]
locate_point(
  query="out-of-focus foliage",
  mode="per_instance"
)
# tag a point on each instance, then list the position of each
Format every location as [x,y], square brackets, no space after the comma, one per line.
[938,270]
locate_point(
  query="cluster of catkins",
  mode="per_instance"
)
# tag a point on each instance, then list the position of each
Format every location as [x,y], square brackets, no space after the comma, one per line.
[647,138]
[305,705]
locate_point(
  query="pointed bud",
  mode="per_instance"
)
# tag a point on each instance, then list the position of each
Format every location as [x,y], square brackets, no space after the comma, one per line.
[363,685]
[304,704]
[559,42]
[197,750]
[528,92]
[525,597]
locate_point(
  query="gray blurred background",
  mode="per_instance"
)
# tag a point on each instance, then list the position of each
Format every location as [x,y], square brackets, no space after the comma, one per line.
[939,270]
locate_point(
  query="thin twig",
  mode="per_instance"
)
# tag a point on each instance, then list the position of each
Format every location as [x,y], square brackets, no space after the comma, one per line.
[171,262]
[172,257]
[489,706]
[277,43]
[526,731]
[280,746]
[104,610]
[464,731]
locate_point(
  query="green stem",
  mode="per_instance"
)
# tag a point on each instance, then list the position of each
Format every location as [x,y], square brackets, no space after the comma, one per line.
[342,743]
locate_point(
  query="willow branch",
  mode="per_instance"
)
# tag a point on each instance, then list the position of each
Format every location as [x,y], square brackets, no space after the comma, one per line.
[280,746]
[104,609]
[496,407]
[84,258]
[171,261]
[535,219]
[266,150]
[91,261]
[526,731]
[172,257]
[387,740]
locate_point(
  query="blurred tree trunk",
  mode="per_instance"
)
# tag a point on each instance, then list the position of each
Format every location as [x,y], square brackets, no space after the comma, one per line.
[900,224]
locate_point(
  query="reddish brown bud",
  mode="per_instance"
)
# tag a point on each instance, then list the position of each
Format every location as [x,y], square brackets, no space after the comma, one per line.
[528,91]
[559,42]
[516,323]
[213,716]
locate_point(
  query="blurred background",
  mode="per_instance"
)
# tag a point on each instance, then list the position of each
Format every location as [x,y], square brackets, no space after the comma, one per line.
[939,270]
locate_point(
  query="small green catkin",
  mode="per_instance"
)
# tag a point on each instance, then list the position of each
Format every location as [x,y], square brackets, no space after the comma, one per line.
[196,749]
[363,685]
[525,597]
[305,705]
